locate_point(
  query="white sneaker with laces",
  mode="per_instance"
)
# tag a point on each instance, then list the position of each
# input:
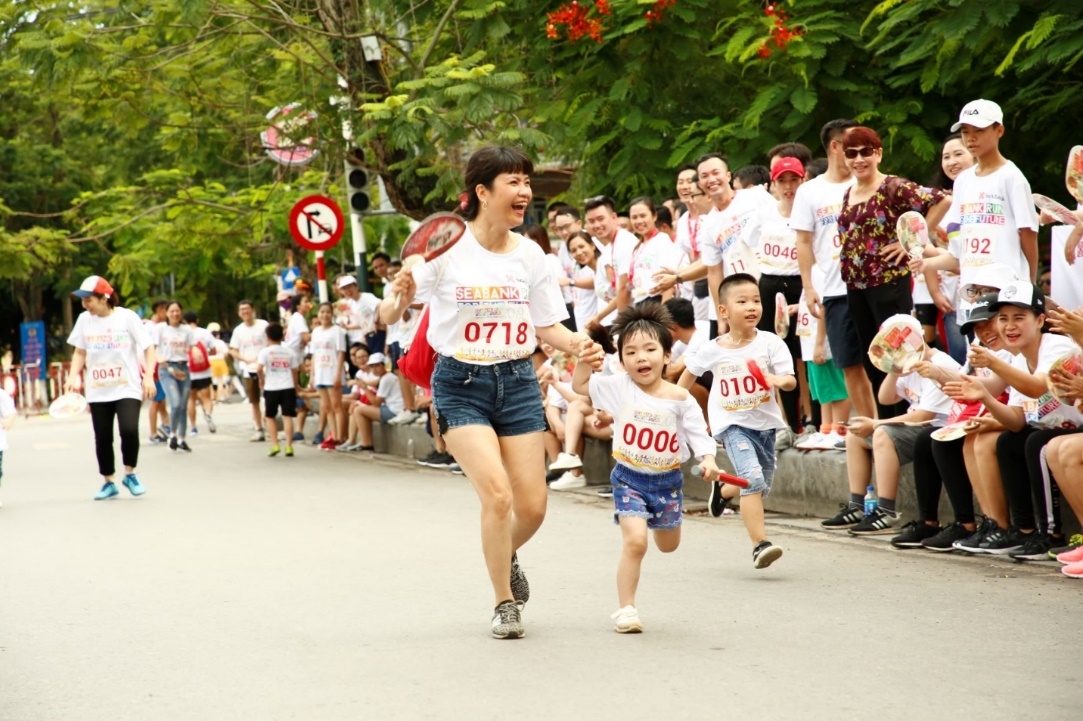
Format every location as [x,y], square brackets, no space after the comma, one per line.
[566,462]
[403,418]
[626,620]
[832,440]
[813,443]
[568,482]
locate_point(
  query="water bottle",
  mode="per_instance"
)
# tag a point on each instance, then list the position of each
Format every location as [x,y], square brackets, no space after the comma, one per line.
[870,501]
[410,450]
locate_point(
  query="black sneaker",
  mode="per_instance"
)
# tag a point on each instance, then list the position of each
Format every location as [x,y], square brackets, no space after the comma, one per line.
[1036,548]
[437,460]
[972,543]
[877,523]
[716,504]
[506,621]
[942,542]
[1001,542]
[172,443]
[520,587]
[913,534]
[764,554]
[847,518]
[1073,543]
[184,446]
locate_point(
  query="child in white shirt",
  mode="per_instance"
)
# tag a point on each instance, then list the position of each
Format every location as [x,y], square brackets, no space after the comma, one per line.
[277,364]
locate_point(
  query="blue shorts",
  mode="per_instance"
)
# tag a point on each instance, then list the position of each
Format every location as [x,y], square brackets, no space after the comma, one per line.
[752,454]
[159,392]
[505,396]
[386,413]
[654,496]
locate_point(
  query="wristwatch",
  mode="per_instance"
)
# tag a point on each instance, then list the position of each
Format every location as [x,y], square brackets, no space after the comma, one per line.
[677,278]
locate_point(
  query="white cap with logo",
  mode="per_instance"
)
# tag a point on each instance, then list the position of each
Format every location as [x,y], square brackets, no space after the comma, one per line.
[980,114]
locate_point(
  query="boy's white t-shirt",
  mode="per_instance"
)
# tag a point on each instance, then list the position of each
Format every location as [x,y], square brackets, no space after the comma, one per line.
[295,328]
[202,335]
[768,233]
[173,342]
[736,398]
[816,208]
[248,340]
[807,327]
[585,299]
[924,395]
[723,233]
[115,346]
[278,363]
[1046,411]
[648,258]
[650,435]
[325,345]
[7,409]
[390,390]
[990,211]
[487,305]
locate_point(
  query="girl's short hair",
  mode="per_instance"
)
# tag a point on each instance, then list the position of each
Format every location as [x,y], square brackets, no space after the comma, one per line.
[649,318]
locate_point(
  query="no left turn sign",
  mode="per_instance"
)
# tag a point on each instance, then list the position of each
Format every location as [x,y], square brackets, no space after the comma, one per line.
[316,222]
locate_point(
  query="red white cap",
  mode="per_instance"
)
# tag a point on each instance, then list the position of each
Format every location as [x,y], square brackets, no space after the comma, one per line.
[94,284]
[786,165]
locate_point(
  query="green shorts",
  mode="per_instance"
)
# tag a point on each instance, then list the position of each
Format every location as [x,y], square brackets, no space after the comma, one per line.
[825,382]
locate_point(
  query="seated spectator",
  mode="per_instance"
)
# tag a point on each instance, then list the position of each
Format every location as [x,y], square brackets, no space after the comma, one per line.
[383,404]
[308,398]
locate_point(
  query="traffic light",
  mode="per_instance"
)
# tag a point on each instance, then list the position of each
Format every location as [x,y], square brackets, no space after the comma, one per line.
[357,182]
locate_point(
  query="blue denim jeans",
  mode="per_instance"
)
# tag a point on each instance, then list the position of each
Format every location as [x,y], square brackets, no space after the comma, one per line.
[752,454]
[176,396]
[658,497]
[505,396]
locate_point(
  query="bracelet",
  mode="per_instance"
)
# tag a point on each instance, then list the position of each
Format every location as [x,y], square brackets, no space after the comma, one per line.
[677,278]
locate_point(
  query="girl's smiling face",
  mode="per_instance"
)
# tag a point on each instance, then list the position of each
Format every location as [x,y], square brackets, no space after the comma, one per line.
[955,158]
[642,219]
[1019,327]
[643,358]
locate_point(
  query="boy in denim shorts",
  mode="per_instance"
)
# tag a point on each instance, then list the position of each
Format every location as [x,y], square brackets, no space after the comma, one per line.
[742,409]
[654,424]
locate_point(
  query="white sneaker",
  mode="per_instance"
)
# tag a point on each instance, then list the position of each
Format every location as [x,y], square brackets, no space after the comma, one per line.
[626,620]
[832,440]
[568,482]
[565,462]
[258,436]
[814,442]
[403,418]
[347,447]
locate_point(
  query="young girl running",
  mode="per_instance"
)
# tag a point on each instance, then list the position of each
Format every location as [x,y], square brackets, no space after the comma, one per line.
[328,347]
[654,421]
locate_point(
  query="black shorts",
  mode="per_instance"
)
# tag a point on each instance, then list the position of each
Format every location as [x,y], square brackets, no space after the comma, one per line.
[284,401]
[841,334]
[926,313]
[199,384]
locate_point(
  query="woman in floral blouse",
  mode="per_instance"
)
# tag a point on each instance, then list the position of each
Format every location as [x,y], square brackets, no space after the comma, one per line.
[874,265]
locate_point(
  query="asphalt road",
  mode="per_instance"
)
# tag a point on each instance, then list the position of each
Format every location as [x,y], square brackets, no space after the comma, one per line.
[333,587]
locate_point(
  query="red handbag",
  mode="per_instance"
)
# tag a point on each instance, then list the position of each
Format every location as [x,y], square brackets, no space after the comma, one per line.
[419,361]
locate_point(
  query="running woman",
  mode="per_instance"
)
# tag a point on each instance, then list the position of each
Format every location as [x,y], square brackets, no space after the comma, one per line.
[112,344]
[493,299]
[174,339]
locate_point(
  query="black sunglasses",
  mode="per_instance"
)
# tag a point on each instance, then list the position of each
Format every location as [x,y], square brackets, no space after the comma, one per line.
[852,153]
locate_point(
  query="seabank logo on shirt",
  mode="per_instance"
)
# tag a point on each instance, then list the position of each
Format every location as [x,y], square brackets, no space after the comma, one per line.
[479,293]
[988,210]
[828,214]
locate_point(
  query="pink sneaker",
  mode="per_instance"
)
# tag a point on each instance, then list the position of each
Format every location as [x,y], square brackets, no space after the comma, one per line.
[1073,556]
[1073,570]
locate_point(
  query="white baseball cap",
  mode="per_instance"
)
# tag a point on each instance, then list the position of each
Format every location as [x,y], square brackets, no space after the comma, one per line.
[994,275]
[346,280]
[980,114]
[376,359]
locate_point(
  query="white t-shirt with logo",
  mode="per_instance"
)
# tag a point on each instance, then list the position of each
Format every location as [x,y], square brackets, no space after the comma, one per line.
[649,257]
[295,329]
[325,345]
[769,234]
[924,395]
[807,328]
[248,340]
[278,363]
[487,305]
[390,390]
[1046,411]
[202,335]
[650,435]
[115,345]
[816,208]
[990,211]
[723,233]
[736,398]
[359,312]
[173,342]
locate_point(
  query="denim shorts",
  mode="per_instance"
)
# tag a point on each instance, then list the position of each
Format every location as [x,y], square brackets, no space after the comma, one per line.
[654,496]
[752,454]
[504,396]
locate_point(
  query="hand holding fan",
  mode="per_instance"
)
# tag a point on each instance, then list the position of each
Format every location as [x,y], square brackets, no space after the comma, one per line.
[954,431]
[913,233]
[1060,213]
[68,405]
[782,316]
[1063,368]
[1073,173]
[434,237]
[898,345]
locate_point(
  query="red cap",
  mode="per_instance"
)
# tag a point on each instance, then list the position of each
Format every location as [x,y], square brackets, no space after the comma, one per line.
[94,284]
[786,165]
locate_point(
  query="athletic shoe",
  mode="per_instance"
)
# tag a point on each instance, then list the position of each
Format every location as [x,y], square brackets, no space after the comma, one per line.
[813,442]
[1001,542]
[366,449]
[193,431]
[348,447]
[833,440]
[456,469]
[184,447]
[626,620]
[716,504]
[606,492]
[422,419]
[972,543]
[289,452]
[157,439]
[275,450]
[567,482]
[846,518]
[317,439]
[258,437]
[507,623]
[943,540]
[878,523]
[1073,556]
[553,475]
[520,587]
[330,444]
[1036,548]
[298,436]
[436,459]
[566,462]
[913,534]
[403,418]
[132,484]
[165,430]
[1072,570]
[784,438]
[108,491]
[764,554]
[1073,543]
[210,422]
[172,443]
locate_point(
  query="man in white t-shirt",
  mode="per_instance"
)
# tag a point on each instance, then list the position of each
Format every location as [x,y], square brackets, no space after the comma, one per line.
[567,222]
[359,318]
[617,246]
[814,217]
[248,339]
[385,402]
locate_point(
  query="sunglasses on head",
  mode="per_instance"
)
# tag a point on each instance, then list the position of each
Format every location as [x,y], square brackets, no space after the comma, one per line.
[852,153]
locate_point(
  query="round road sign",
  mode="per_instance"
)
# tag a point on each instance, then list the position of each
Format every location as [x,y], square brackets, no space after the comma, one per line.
[316,222]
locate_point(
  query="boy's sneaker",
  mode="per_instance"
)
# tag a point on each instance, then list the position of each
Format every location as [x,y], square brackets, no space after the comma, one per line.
[108,491]
[1036,548]
[567,482]
[1001,542]
[566,462]
[764,554]
[317,439]
[275,450]
[716,504]
[157,439]
[347,447]
[606,492]
[913,534]
[813,442]
[972,543]
[436,459]
[172,443]
[132,484]
[403,417]
[507,623]
[1075,542]
[943,541]
[298,436]
[258,436]
[847,518]
[626,620]
[877,523]
[520,587]
[289,452]
[784,438]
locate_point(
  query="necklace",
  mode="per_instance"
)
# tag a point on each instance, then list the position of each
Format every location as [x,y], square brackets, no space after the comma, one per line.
[737,341]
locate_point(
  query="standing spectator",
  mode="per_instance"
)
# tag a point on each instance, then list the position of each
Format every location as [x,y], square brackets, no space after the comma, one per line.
[248,339]
[328,345]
